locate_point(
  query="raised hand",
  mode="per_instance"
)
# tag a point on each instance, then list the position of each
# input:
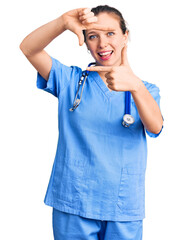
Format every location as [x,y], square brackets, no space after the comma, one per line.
[81,19]
[119,78]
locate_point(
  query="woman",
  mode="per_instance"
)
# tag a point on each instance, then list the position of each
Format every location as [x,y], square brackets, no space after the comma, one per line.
[97,183]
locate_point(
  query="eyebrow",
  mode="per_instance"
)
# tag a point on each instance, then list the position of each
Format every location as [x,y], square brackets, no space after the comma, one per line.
[94,32]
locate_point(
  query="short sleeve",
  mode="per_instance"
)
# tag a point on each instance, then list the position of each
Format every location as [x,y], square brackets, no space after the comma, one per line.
[59,77]
[155,92]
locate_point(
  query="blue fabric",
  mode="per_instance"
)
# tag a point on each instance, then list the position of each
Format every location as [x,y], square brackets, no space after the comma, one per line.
[154,90]
[99,166]
[69,227]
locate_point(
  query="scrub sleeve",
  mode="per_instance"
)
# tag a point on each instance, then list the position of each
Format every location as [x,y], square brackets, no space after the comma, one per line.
[155,92]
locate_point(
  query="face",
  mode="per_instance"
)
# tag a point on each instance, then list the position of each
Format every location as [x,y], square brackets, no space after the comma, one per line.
[106,46]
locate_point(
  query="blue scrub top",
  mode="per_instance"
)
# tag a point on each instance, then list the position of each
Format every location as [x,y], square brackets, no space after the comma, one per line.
[99,166]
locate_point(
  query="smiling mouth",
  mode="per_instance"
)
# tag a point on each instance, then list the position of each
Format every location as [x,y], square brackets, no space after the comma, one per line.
[105,55]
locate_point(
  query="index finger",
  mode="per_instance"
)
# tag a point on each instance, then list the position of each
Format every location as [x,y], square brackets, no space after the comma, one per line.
[99,69]
[84,11]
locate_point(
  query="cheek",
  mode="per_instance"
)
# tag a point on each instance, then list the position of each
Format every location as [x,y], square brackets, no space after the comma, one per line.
[91,47]
[117,44]
[92,51]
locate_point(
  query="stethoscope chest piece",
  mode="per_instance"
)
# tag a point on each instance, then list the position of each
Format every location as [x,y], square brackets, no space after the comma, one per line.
[127,120]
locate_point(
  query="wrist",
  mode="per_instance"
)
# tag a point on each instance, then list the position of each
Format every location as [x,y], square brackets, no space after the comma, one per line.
[136,84]
[61,23]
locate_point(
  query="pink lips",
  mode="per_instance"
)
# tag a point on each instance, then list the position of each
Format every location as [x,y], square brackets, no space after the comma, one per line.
[105,55]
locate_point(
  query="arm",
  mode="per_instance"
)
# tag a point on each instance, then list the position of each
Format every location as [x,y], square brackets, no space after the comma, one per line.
[148,109]
[33,45]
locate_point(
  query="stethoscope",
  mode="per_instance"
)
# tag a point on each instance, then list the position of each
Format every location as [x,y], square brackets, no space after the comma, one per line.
[127,118]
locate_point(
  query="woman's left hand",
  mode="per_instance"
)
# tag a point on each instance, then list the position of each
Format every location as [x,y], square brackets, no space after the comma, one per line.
[119,78]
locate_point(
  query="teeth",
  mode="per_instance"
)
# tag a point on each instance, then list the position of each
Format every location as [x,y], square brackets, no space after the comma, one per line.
[105,53]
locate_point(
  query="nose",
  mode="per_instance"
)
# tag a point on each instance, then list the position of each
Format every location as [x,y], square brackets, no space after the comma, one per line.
[103,42]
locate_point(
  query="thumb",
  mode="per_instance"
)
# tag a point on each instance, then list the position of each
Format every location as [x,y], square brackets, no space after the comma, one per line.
[124,59]
[80,36]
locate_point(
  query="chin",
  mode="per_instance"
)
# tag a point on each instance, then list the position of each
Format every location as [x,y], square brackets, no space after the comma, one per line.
[105,63]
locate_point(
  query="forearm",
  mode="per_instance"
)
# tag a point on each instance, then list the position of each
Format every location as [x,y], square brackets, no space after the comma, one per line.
[148,108]
[37,40]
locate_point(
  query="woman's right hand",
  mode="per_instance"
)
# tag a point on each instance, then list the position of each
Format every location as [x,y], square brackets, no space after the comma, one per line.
[81,19]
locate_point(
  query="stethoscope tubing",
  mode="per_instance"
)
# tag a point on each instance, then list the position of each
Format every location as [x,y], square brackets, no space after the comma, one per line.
[127,118]
[127,102]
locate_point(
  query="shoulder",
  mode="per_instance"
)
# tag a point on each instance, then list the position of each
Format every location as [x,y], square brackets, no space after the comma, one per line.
[151,87]
[57,65]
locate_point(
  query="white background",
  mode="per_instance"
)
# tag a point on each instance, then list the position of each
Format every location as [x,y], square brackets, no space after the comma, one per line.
[28,123]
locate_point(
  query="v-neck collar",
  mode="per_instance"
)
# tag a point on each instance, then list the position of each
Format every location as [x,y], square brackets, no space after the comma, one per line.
[102,85]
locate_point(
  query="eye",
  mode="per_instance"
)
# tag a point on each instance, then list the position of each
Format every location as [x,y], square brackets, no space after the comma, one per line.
[92,37]
[110,33]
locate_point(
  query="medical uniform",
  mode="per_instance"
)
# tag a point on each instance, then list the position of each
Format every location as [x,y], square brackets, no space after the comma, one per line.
[99,167]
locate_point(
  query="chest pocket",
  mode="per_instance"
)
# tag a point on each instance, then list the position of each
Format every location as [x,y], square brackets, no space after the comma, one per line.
[131,190]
